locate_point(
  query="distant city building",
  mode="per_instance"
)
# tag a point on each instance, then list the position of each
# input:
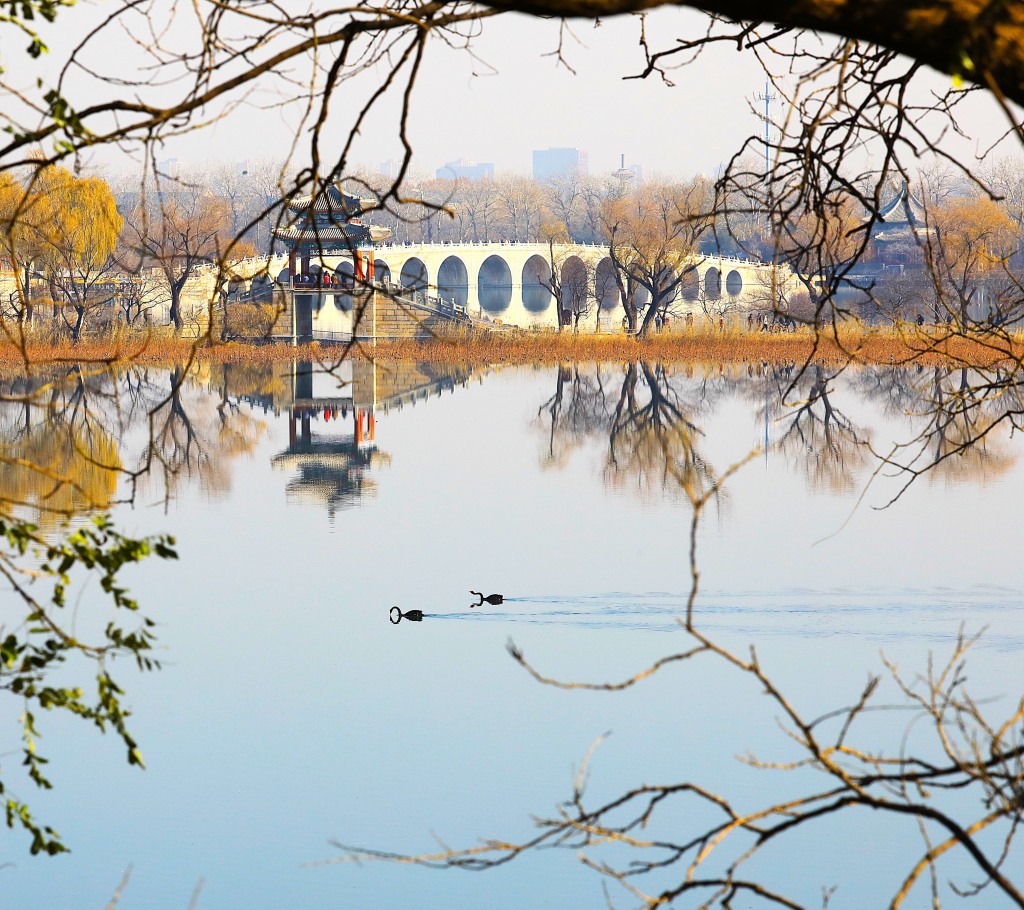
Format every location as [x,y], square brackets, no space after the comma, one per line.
[462,169]
[548,163]
[390,168]
[168,167]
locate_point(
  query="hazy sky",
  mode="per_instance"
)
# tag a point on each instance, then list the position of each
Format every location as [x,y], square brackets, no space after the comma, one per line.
[530,101]
[511,96]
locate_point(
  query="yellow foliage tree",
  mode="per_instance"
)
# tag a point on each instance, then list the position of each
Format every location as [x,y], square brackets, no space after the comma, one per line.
[973,241]
[72,232]
[19,213]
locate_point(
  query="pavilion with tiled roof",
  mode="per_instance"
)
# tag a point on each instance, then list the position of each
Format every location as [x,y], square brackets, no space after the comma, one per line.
[902,221]
[330,222]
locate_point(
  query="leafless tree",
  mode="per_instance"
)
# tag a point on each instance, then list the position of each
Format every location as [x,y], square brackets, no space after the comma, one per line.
[652,238]
[177,232]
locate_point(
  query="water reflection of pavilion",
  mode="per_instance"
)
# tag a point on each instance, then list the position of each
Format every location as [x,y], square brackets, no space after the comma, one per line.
[332,424]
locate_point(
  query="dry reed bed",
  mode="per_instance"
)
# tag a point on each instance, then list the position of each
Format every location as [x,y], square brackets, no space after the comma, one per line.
[521,348]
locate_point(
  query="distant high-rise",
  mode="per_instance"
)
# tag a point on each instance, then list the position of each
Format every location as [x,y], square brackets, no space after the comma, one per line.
[549,163]
[462,169]
[168,167]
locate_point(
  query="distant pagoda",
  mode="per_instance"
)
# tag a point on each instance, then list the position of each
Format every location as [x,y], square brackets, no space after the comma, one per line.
[901,222]
[330,223]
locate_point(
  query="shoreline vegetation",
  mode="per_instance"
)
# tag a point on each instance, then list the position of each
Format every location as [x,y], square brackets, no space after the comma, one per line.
[857,345]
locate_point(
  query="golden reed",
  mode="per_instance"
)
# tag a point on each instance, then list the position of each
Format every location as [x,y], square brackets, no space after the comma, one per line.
[858,345]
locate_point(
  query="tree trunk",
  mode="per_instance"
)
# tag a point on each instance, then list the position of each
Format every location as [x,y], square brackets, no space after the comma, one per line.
[652,312]
[76,332]
[628,294]
[175,312]
[627,290]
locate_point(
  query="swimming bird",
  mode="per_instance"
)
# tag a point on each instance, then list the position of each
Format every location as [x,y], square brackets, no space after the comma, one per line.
[397,615]
[492,599]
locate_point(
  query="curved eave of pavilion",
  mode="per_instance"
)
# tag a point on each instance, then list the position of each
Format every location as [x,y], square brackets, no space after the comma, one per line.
[332,201]
[902,231]
[903,207]
[334,237]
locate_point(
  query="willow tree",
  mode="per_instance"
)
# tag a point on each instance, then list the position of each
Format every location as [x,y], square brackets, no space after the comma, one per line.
[14,217]
[73,232]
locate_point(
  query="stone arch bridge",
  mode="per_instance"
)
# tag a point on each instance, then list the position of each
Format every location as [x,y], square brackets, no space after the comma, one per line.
[509,282]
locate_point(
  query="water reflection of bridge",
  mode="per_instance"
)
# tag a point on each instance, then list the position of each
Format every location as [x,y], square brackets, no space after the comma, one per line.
[332,423]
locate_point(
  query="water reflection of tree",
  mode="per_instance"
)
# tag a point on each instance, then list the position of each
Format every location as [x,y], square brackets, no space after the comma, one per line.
[948,419]
[953,415]
[198,429]
[647,417]
[71,435]
[578,410]
[815,431]
[652,439]
[59,457]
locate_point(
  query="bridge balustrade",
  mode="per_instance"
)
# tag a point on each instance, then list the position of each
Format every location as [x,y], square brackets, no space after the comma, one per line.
[514,253]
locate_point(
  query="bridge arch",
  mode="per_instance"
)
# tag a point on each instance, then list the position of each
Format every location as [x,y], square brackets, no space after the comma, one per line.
[733,283]
[262,289]
[453,281]
[689,285]
[606,290]
[381,271]
[574,285]
[345,273]
[494,284]
[284,276]
[414,275]
[536,284]
[642,297]
[713,284]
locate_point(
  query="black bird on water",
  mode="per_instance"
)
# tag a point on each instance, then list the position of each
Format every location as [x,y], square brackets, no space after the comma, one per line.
[397,615]
[492,599]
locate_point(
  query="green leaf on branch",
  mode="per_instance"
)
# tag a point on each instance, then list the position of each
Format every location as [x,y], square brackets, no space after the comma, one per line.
[41,642]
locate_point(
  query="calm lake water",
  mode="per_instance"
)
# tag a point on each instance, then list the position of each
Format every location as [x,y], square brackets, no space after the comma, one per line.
[290,713]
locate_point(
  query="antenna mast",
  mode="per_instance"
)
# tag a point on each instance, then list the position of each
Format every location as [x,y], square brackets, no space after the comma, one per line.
[768,96]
